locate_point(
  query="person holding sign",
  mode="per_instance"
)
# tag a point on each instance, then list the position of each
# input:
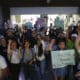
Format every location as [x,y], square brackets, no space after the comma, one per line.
[59,73]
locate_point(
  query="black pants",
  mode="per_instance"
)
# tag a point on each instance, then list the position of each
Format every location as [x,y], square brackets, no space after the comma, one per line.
[27,70]
[14,71]
[30,72]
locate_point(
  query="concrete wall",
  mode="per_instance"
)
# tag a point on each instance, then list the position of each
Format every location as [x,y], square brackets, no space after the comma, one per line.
[44,10]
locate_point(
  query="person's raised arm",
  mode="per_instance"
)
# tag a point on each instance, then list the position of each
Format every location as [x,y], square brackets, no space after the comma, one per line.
[9,46]
[67,34]
[77,43]
[9,49]
[20,52]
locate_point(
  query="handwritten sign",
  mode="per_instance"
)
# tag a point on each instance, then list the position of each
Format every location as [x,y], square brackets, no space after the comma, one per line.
[62,58]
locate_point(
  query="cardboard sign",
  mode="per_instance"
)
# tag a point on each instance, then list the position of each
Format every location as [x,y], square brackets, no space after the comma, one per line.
[62,58]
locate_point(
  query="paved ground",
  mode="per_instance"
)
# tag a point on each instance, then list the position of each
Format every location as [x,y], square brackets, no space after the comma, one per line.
[48,75]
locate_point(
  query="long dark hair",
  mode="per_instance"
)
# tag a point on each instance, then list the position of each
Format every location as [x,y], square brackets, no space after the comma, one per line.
[40,50]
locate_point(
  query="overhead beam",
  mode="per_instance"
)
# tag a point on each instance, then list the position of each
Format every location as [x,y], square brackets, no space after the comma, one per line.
[40,3]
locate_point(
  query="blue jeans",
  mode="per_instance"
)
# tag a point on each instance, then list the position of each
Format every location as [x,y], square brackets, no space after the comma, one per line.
[41,70]
[60,72]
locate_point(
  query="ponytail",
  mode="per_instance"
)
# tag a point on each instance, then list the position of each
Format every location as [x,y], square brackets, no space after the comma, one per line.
[40,50]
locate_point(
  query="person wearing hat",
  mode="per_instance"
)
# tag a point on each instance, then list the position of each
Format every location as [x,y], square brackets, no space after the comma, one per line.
[70,42]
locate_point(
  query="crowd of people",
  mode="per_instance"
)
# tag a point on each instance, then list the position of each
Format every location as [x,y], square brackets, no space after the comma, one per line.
[29,50]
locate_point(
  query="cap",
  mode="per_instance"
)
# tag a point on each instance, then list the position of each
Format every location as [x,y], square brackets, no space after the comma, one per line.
[74,35]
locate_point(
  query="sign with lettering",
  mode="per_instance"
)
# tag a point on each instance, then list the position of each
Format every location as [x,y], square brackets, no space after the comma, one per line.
[62,58]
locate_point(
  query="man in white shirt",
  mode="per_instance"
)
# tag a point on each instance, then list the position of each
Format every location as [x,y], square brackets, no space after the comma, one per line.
[3,67]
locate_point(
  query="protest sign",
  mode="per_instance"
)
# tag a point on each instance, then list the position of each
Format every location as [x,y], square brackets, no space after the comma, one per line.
[62,58]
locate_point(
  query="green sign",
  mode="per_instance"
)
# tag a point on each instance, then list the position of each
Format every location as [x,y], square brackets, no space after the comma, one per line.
[62,58]
[59,23]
